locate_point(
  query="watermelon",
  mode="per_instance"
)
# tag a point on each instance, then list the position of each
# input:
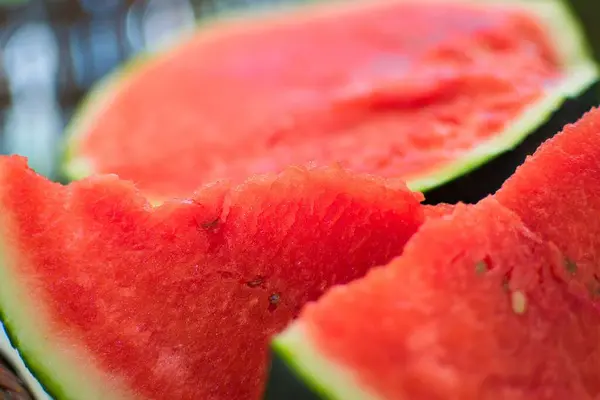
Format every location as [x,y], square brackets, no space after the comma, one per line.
[556,192]
[477,307]
[106,296]
[426,92]
[438,210]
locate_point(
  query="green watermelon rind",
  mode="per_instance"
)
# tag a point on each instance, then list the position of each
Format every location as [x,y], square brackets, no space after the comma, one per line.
[567,37]
[295,348]
[31,351]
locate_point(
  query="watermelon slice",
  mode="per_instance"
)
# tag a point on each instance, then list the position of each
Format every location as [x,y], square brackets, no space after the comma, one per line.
[418,90]
[477,307]
[556,193]
[108,297]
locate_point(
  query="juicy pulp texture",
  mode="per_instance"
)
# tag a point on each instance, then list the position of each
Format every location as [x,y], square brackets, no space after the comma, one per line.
[438,210]
[399,89]
[180,301]
[477,307]
[556,192]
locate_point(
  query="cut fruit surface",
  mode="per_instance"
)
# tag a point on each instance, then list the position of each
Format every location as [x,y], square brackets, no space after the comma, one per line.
[421,90]
[477,307]
[106,296]
[438,211]
[556,192]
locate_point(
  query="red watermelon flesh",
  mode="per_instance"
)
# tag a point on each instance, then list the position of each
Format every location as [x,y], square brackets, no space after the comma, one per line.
[179,301]
[476,308]
[397,88]
[438,210]
[556,192]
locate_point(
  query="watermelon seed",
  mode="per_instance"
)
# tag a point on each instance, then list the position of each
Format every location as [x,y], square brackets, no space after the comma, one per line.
[212,224]
[570,266]
[256,282]
[480,267]
[505,283]
[274,301]
[225,274]
[519,302]
[594,287]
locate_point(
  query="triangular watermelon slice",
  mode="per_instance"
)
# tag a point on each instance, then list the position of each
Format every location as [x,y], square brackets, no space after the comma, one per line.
[477,307]
[427,91]
[107,297]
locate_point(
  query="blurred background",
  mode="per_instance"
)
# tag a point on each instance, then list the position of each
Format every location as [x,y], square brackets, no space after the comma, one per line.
[53,51]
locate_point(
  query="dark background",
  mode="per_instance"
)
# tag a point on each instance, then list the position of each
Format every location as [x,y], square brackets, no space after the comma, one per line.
[588,12]
[52,51]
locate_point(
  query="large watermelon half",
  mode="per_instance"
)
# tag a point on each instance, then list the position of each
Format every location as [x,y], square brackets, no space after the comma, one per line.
[445,328]
[422,90]
[107,297]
